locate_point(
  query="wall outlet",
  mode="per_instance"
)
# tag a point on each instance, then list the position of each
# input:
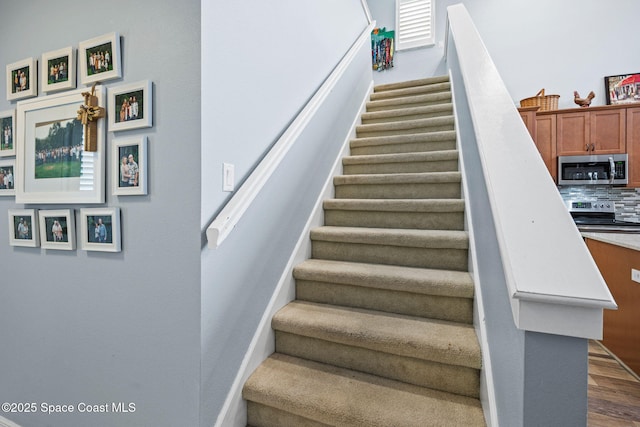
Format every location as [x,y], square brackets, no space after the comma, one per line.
[228,178]
[635,275]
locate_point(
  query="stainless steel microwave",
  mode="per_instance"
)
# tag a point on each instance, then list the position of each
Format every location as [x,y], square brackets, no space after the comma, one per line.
[597,169]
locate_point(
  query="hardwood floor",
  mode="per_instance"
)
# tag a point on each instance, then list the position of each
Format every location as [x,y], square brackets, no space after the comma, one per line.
[614,392]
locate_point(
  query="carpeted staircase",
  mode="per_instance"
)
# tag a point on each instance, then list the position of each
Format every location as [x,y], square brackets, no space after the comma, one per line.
[381,331]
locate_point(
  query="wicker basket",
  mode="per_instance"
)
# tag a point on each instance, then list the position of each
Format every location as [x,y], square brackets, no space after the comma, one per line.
[545,102]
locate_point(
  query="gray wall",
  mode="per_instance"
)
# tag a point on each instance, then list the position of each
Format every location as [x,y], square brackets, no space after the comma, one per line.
[560,46]
[98,327]
[271,74]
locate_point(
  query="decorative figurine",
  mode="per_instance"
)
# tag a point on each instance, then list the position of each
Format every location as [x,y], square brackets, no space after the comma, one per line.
[88,114]
[583,102]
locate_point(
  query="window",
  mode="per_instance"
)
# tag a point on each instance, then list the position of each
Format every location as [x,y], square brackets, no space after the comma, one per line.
[414,23]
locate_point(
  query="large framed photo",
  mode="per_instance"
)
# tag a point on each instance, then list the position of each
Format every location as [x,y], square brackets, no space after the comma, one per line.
[100,59]
[100,229]
[130,106]
[622,89]
[22,79]
[57,229]
[7,177]
[8,128]
[51,164]
[129,166]
[23,228]
[58,70]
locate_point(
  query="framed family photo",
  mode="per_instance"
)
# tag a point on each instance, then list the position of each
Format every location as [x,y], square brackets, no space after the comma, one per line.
[23,228]
[99,59]
[130,106]
[22,79]
[8,128]
[622,89]
[7,177]
[51,164]
[58,70]
[100,229]
[129,166]
[57,229]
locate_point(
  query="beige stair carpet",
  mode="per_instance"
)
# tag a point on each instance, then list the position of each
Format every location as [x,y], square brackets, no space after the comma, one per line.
[381,333]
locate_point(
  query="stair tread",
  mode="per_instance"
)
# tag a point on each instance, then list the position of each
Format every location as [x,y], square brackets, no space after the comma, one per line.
[428,339]
[453,239]
[398,178]
[396,205]
[406,124]
[411,83]
[445,135]
[390,277]
[338,396]
[408,111]
[427,156]
[412,91]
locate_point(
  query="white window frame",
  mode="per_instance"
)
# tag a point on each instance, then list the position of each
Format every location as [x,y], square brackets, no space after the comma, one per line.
[414,28]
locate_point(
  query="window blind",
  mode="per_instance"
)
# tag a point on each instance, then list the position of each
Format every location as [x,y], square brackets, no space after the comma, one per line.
[414,23]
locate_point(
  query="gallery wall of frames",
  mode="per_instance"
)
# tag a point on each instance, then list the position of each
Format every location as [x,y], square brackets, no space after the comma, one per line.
[45,154]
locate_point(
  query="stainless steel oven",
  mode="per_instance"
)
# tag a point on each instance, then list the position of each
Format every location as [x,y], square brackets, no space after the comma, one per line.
[599,217]
[597,169]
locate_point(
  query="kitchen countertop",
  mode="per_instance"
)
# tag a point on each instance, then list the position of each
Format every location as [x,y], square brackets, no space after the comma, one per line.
[625,240]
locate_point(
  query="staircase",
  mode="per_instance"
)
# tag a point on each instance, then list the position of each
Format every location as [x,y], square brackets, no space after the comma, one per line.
[381,331]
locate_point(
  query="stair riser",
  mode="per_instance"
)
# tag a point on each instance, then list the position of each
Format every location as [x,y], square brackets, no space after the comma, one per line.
[267,416]
[396,148]
[394,104]
[393,119]
[411,91]
[438,258]
[409,131]
[399,191]
[411,83]
[407,167]
[407,303]
[453,379]
[375,219]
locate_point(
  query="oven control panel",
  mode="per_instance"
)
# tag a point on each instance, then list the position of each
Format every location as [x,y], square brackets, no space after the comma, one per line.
[590,206]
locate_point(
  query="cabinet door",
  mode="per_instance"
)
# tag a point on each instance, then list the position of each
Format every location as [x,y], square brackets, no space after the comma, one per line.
[633,146]
[574,134]
[546,142]
[608,131]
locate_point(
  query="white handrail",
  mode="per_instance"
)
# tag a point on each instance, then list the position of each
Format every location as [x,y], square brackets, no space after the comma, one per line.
[549,271]
[233,211]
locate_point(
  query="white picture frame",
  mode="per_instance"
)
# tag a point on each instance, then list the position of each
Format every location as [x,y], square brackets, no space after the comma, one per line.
[8,133]
[99,59]
[18,236]
[134,150]
[82,180]
[57,229]
[100,229]
[130,106]
[7,177]
[58,70]
[22,79]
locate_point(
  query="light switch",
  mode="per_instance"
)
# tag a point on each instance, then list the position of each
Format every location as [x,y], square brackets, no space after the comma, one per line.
[635,275]
[228,178]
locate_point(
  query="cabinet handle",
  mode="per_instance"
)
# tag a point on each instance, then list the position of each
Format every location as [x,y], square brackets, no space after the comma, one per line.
[593,147]
[586,147]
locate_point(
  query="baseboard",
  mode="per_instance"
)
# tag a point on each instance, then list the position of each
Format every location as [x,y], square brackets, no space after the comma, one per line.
[233,412]
[7,423]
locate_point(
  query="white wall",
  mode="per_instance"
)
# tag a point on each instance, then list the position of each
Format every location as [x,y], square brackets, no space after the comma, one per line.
[559,46]
[271,62]
[99,327]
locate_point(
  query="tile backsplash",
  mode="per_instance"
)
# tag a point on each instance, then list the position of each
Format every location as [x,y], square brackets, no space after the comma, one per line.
[626,200]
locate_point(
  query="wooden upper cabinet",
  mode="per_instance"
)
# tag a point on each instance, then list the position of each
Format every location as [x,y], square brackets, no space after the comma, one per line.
[592,132]
[546,142]
[633,146]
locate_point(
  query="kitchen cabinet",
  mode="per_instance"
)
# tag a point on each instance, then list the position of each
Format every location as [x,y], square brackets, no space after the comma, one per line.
[609,129]
[591,132]
[546,142]
[633,146]
[621,327]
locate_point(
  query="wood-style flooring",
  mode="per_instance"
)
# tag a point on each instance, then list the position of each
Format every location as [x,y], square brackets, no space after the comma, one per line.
[614,392]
